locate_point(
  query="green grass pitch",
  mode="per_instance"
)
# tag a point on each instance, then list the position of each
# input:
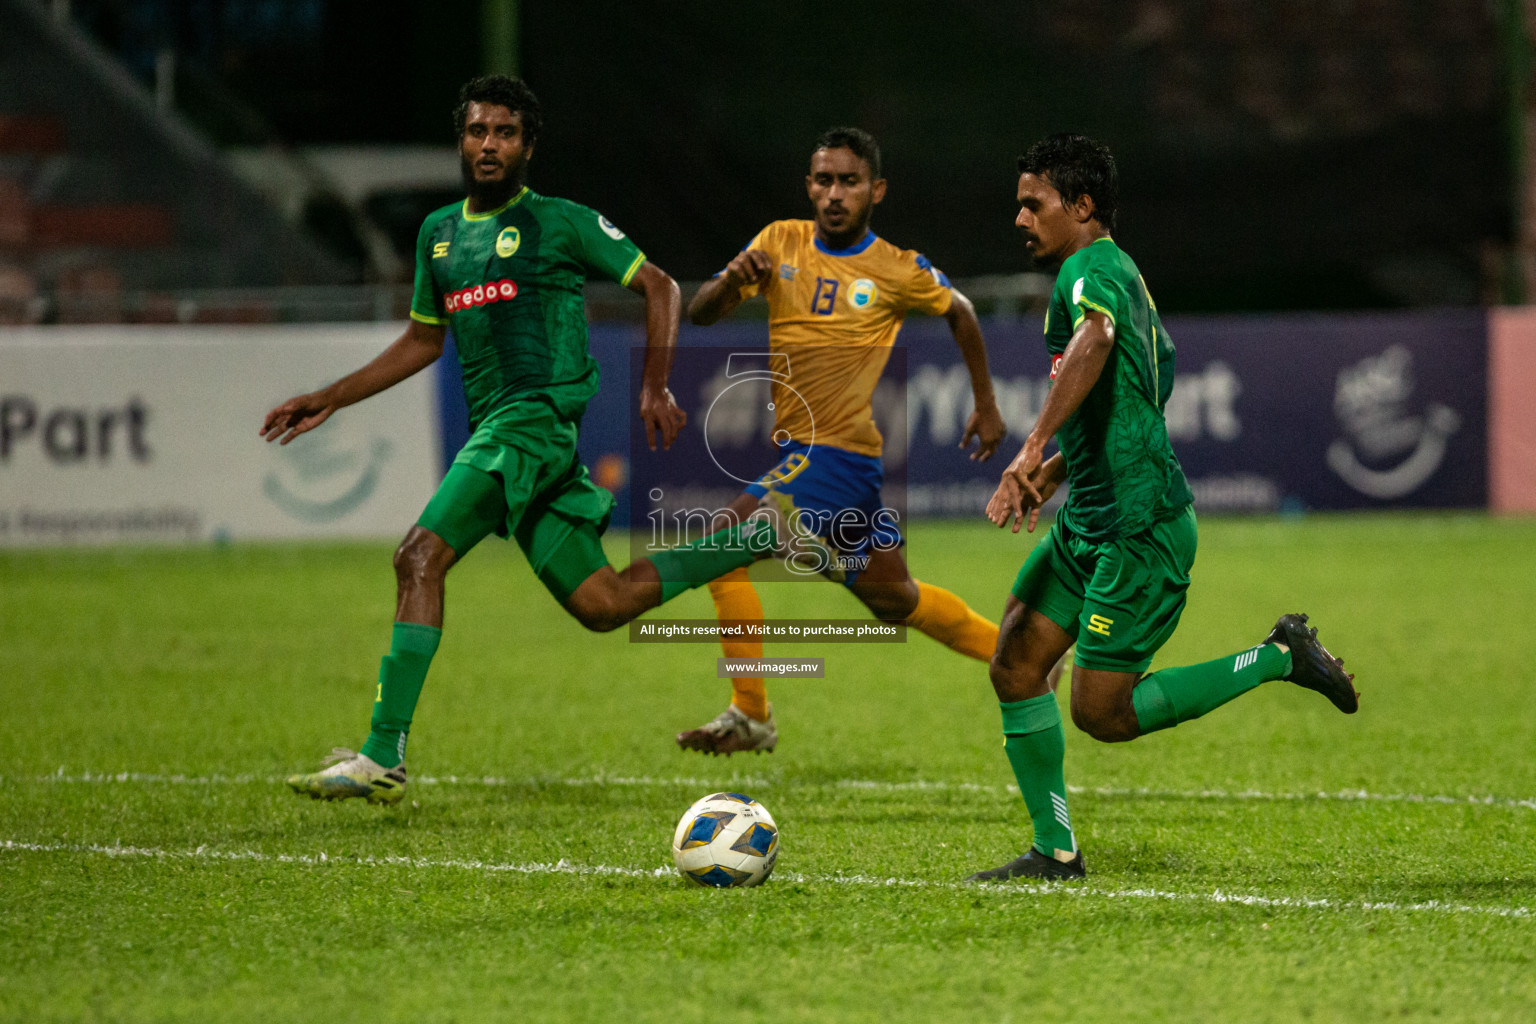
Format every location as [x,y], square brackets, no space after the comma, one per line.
[1275,861]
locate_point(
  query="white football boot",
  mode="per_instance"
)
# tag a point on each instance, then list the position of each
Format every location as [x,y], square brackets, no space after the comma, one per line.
[352,774]
[730,731]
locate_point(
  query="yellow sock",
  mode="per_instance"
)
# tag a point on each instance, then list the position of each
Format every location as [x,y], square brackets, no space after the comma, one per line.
[952,623]
[737,601]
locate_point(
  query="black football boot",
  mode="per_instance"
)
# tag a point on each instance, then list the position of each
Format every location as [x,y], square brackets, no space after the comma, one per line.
[1311,664]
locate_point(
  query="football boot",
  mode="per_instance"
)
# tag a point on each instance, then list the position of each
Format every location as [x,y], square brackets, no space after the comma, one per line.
[352,775]
[731,731]
[1311,664]
[1035,864]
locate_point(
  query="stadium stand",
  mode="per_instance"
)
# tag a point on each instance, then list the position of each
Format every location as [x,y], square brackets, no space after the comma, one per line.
[101,194]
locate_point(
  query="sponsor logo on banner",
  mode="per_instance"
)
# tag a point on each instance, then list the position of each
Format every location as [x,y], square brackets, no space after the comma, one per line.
[69,434]
[114,435]
[480,295]
[1204,404]
[328,478]
[1387,450]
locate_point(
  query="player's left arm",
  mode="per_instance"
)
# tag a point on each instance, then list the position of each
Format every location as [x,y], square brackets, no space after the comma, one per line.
[985,422]
[1081,365]
[607,251]
[663,305]
[1010,502]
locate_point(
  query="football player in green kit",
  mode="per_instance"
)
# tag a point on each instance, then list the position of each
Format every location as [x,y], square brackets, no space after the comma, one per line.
[1111,572]
[505,268]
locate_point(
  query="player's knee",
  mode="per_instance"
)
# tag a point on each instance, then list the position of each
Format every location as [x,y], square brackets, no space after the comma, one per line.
[597,610]
[419,560]
[1105,724]
[1012,682]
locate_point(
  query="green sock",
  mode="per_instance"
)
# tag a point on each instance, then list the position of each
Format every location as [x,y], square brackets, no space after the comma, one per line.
[1176,695]
[401,674]
[708,558]
[1036,746]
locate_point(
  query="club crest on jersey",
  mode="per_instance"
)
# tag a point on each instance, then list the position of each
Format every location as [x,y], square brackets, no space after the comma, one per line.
[479,295]
[863,293]
[608,228]
[1056,365]
[508,241]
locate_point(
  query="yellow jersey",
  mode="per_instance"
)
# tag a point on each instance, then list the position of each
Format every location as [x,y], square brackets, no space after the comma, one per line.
[834,314]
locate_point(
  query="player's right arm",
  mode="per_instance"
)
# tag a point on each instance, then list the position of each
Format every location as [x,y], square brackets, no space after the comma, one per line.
[415,350]
[722,293]
[419,347]
[1076,373]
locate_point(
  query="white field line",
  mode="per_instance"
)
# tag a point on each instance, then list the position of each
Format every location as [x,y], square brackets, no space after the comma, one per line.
[564,867]
[865,785]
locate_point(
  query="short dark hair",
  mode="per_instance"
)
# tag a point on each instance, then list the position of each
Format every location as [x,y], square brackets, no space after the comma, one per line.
[1077,165]
[502,91]
[857,141]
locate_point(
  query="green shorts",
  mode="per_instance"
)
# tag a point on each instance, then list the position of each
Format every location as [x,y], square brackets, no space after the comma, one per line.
[519,476]
[1119,599]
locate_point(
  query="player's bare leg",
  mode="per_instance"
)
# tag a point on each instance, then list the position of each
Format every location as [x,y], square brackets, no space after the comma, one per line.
[1117,706]
[609,599]
[377,773]
[1030,648]
[422,562]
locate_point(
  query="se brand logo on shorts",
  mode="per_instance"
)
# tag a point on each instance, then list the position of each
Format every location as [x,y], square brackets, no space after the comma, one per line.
[439,250]
[608,228]
[1099,624]
[863,293]
[508,241]
[479,295]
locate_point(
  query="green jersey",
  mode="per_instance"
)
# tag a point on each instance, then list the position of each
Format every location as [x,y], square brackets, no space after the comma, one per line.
[509,282]
[1122,471]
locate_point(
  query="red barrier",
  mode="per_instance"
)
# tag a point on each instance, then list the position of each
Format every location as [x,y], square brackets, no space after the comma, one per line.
[1512,410]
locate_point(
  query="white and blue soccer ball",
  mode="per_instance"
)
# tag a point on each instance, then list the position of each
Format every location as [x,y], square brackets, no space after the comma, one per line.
[726,840]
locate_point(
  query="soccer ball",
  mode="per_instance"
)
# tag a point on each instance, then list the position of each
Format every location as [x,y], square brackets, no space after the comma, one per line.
[725,840]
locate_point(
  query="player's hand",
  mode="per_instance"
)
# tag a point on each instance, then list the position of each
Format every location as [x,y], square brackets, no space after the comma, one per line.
[1019,489]
[297,416]
[660,414]
[1007,503]
[1045,486]
[986,425]
[748,267]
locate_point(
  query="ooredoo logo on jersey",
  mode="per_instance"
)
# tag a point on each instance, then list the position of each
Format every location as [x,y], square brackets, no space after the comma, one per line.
[480,294]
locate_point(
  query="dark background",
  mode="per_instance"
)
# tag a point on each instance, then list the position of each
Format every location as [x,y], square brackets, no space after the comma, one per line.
[1274,154]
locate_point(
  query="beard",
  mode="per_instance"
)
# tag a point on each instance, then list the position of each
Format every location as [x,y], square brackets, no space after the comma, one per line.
[491,194]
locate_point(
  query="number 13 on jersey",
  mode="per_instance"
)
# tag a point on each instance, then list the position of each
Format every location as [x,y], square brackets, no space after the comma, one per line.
[826,293]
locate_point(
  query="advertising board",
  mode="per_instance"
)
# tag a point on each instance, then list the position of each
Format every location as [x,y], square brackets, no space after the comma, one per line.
[150,434]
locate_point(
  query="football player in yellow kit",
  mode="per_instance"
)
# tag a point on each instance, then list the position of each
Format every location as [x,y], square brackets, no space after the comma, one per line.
[837,294]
